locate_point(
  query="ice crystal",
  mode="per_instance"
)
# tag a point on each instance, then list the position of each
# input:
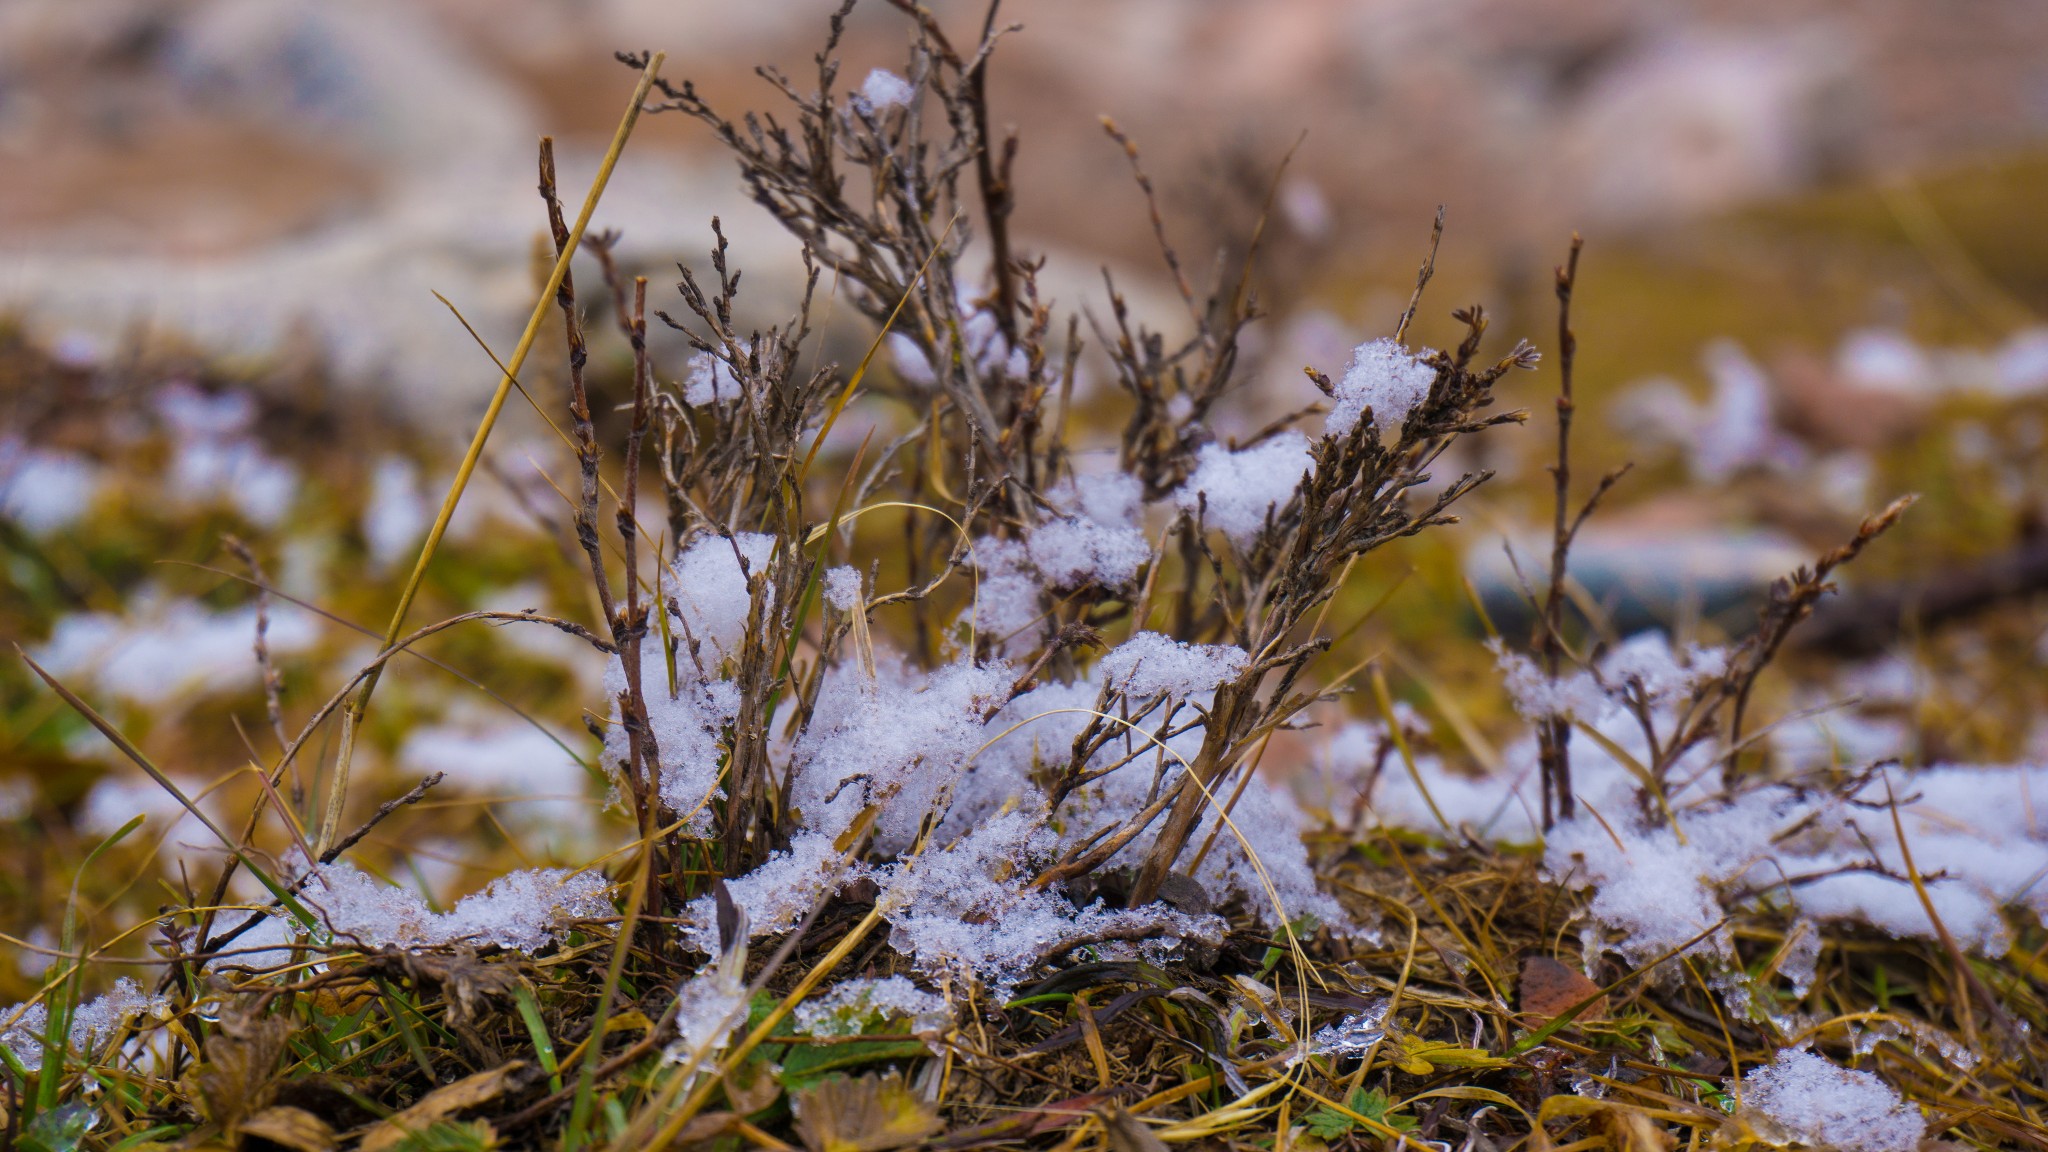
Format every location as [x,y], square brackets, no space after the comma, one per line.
[1354,1035]
[852,1007]
[93,1022]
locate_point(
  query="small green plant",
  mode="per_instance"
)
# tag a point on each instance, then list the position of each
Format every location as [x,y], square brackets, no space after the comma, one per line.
[1371,1104]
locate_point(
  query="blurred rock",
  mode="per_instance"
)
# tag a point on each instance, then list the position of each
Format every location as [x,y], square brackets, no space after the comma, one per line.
[436,149]
[1649,569]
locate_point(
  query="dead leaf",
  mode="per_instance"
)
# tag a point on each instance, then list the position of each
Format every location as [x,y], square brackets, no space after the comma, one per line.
[1128,1134]
[1026,1123]
[703,1127]
[1628,1128]
[1186,893]
[441,1103]
[238,1076]
[1549,988]
[1630,1131]
[343,998]
[464,978]
[288,1127]
[871,1114]
[751,1087]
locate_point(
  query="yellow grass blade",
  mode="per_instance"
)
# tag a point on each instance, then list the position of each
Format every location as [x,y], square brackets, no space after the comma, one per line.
[337,793]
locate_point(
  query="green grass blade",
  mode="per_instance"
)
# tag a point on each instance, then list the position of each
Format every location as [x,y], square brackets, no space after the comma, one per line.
[57,1028]
[543,1044]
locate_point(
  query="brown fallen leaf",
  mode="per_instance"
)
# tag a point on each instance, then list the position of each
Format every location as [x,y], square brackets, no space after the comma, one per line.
[1128,1134]
[704,1127]
[468,982]
[288,1127]
[751,1087]
[871,1114]
[1549,988]
[344,998]
[1026,1123]
[441,1103]
[239,1075]
[1629,1130]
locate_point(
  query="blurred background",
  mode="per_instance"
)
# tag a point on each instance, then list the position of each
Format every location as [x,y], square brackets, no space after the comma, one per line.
[1815,277]
[271,177]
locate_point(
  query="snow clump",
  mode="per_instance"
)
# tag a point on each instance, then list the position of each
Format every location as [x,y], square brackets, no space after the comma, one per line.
[1815,1102]
[1644,668]
[909,362]
[1385,379]
[1097,538]
[1829,856]
[710,1007]
[1271,826]
[162,649]
[17,799]
[214,461]
[1151,664]
[93,1022]
[1007,589]
[774,896]
[710,381]
[395,516]
[1236,490]
[45,490]
[1658,888]
[714,592]
[898,741]
[842,587]
[687,723]
[968,908]
[883,90]
[524,911]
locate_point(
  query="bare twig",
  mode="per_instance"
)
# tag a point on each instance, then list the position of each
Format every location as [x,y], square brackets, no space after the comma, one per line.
[1554,733]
